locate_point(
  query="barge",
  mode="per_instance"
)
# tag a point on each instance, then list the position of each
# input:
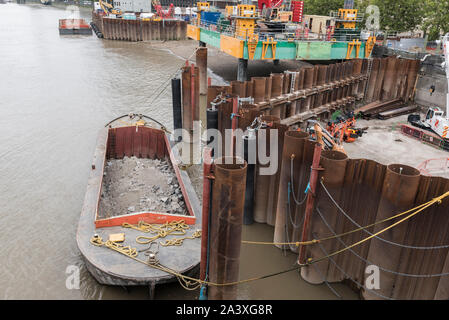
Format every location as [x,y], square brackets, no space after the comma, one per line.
[74,26]
[140,141]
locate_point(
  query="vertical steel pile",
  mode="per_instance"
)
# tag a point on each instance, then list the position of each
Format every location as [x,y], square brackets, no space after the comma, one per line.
[201,62]
[273,182]
[190,102]
[392,78]
[263,181]
[228,197]
[177,108]
[238,88]
[333,174]
[398,194]
[277,82]
[361,195]
[290,177]
[425,230]
[371,192]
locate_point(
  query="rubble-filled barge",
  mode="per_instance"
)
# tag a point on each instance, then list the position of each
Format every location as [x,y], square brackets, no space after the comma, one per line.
[139,143]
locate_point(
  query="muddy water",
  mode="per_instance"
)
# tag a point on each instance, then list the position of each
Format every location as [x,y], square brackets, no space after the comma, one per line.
[56,93]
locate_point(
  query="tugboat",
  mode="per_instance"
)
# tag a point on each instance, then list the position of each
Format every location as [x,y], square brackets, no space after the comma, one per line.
[74,26]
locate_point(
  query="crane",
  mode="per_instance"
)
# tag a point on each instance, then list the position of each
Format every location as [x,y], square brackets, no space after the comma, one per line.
[109,8]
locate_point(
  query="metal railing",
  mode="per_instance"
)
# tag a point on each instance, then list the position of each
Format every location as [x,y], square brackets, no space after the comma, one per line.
[295,32]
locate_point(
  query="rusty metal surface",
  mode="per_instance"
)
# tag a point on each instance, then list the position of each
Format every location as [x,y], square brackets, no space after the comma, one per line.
[294,142]
[273,186]
[334,165]
[228,197]
[258,84]
[262,182]
[398,194]
[368,191]
[186,98]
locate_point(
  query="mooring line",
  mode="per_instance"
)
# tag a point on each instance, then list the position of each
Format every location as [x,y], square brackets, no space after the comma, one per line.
[379,238]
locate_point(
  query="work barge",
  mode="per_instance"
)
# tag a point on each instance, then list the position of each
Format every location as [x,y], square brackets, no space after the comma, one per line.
[328,208]
[139,30]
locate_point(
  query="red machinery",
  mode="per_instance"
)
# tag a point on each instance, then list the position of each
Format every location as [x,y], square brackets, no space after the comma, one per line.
[343,129]
[163,14]
[261,4]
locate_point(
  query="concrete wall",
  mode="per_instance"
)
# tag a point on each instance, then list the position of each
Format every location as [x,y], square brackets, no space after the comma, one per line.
[424,98]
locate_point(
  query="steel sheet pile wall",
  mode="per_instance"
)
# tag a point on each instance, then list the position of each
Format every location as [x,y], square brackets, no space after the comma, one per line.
[366,191]
[392,78]
[297,96]
[138,30]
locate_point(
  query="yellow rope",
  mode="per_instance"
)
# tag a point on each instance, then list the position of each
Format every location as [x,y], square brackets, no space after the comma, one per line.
[177,228]
[314,241]
[430,203]
[187,281]
[180,241]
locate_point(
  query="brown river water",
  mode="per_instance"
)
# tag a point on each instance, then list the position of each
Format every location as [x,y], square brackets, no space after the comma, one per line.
[56,92]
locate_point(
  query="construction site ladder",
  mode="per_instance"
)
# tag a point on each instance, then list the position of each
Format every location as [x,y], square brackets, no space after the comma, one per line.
[265,45]
[354,43]
[252,46]
[368,75]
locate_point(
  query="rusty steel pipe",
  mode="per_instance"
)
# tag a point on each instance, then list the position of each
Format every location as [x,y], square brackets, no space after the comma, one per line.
[228,197]
[186,84]
[333,175]
[293,148]
[273,186]
[263,181]
[201,63]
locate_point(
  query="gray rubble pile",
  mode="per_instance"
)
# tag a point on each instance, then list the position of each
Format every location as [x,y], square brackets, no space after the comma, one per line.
[140,185]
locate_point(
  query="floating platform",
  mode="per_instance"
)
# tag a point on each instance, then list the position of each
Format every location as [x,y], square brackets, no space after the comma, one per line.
[112,268]
[74,26]
[279,49]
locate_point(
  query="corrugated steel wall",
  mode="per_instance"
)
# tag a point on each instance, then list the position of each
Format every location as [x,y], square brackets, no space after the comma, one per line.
[368,192]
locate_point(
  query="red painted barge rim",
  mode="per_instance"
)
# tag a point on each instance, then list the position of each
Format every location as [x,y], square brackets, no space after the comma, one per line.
[148,217]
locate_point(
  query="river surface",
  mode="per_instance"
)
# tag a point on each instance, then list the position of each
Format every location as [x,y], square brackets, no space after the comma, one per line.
[56,92]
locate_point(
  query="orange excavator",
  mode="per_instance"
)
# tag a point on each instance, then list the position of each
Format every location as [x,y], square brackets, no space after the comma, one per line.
[343,129]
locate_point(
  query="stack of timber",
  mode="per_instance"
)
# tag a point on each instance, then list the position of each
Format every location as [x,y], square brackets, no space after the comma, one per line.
[138,30]
[390,88]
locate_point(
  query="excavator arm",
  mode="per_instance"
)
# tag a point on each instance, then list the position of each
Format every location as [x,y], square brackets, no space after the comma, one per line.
[324,138]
